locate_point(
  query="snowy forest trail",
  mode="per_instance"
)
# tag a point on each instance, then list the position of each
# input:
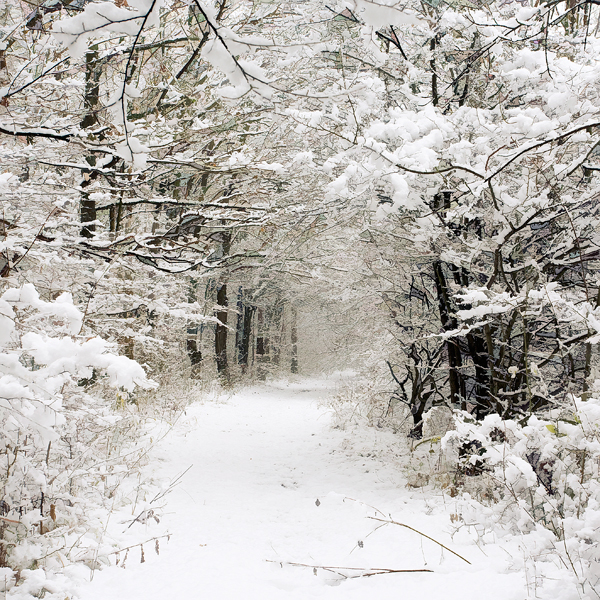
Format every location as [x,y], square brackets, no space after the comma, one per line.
[272,483]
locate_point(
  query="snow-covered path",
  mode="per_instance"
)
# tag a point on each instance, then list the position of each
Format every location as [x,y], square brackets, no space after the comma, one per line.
[261,461]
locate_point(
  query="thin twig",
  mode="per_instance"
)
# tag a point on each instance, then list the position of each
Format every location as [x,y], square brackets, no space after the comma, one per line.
[11,521]
[175,482]
[420,533]
[367,572]
[160,537]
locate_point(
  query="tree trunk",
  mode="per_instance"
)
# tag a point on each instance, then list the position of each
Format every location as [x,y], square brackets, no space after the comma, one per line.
[260,340]
[434,78]
[115,216]
[239,326]
[275,341]
[193,346]
[221,332]
[456,381]
[479,354]
[195,354]
[244,350]
[587,370]
[93,72]
[222,311]
[294,340]
[262,344]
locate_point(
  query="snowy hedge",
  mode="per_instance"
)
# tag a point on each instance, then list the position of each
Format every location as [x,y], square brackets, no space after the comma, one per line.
[544,481]
[62,449]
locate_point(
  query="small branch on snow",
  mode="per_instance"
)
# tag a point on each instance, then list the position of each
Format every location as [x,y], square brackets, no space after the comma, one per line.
[152,539]
[391,522]
[172,485]
[366,572]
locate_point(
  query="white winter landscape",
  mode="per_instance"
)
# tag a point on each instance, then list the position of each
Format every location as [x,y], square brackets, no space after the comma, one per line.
[299,299]
[277,504]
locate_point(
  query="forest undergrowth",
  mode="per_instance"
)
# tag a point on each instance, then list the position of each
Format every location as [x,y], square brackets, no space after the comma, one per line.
[534,482]
[79,423]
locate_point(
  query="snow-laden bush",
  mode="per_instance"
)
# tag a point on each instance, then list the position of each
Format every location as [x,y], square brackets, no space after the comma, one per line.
[61,450]
[544,476]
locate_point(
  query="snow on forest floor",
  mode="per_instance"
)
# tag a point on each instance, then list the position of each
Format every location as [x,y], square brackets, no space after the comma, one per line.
[271,483]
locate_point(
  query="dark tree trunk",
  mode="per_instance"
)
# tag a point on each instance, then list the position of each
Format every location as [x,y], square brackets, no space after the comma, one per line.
[195,355]
[262,343]
[222,312]
[434,78]
[417,400]
[87,212]
[294,340]
[456,381]
[244,349]
[193,346]
[93,72]
[457,384]
[115,217]
[194,351]
[239,326]
[478,351]
[275,342]
[221,331]
[260,325]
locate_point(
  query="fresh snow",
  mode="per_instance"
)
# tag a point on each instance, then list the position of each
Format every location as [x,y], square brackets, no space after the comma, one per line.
[247,507]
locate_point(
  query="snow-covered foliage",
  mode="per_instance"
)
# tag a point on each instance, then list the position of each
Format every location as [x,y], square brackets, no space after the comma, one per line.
[424,175]
[64,450]
[475,152]
[539,476]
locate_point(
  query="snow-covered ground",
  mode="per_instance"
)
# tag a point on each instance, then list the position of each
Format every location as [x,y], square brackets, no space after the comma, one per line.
[271,483]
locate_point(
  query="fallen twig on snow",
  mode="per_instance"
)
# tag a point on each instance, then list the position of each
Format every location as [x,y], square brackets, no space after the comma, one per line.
[141,546]
[147,514]
[152,539]
[172,485]
[366,572]
[391,522]
[143,518]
